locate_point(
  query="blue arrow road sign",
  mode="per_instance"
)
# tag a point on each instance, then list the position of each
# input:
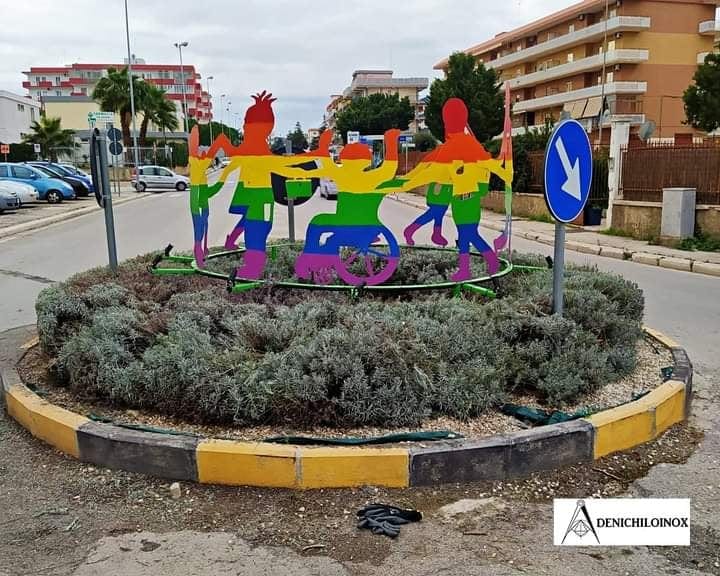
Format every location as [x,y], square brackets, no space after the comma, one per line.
[568,171]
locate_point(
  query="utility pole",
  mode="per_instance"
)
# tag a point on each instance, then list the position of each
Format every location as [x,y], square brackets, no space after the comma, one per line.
[180,46]
[132,90]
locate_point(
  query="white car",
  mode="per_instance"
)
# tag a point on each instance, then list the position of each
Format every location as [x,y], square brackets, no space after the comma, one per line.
[159,177]
[24,192]
[328,189]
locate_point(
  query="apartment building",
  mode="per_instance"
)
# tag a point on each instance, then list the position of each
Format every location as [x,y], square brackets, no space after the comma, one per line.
[647,49]
[367,82]
[67,90]
[17,113]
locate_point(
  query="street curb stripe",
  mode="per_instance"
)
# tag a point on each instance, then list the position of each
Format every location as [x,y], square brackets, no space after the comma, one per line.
[246,464]
[351,467]
[499,457]
[52,424]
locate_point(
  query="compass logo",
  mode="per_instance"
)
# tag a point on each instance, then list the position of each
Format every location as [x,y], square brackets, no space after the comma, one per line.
[581,524]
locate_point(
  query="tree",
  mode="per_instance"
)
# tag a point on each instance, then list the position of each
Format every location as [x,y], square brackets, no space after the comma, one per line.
[156,108]
[702,99]
[478,87]
[375,114]
[113,94]
[298,139]
[424,141]
[277,145]
[50,134]
[234,135]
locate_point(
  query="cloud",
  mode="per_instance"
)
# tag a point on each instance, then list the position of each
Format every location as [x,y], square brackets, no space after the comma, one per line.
[301,51]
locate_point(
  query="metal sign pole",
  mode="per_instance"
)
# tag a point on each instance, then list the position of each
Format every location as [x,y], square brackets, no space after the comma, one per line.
[291,218]
[558,268]
[107,200]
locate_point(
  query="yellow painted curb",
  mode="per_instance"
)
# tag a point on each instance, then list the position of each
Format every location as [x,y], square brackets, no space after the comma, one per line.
[350,467]
[640,421]
[662,338]
[52,424]
[246,464]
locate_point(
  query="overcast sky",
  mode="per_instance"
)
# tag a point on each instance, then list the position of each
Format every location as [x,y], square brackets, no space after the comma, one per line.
[301,51]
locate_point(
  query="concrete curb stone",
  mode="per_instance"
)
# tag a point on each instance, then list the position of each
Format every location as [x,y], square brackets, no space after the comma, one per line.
[676,264]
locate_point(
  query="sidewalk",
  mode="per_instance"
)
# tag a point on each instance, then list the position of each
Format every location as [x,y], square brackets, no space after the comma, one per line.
[589,242]
[40,214]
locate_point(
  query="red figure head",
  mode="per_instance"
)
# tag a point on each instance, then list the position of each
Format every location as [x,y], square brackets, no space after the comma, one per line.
[259,118]
[455,116]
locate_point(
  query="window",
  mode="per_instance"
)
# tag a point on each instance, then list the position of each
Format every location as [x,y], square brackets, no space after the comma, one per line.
[32,114]
[571,57]
[571,28]
[42,78]
[21,107]
[58,93]
[569,86]
[3,171]
[613,13]
[57,80]
[610,77]
[163,172]
[22,172]
[611,45]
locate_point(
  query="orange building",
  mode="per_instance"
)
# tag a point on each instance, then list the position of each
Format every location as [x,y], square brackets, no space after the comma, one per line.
[647,49]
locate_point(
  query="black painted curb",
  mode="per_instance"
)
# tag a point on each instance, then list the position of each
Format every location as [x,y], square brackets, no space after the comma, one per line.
[505,456]
[136,451]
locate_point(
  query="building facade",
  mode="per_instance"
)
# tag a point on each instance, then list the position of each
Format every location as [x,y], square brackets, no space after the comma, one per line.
[636,56]
[17,113]
[367,82]
[73,84]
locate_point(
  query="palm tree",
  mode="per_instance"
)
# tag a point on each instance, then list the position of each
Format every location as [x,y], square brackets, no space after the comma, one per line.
[50,134]
[113,94]
[156,108]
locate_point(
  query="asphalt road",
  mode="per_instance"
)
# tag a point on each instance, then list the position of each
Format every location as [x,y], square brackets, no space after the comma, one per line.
[683,305]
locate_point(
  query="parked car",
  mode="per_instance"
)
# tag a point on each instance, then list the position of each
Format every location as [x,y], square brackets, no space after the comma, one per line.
[8,201]
[82,186]
[328,189]
[75,170]
[51,189]
[158,177]
[25,192]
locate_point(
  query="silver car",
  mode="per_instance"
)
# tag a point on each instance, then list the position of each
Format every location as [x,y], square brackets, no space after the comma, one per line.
[8,201]
[159,177]
[25,192]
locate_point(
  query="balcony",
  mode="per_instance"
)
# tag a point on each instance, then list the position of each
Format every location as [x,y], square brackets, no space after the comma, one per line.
[561,98]
[589,34]
[709,28]
[579,66]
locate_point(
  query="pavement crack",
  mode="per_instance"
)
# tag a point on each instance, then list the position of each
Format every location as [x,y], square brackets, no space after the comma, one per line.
[31,277]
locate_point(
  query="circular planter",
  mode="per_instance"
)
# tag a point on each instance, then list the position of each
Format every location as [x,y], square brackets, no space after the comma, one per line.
[499,457]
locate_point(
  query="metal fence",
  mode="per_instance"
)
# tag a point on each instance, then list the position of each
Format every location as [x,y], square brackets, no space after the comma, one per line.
[647,169]
[599,191]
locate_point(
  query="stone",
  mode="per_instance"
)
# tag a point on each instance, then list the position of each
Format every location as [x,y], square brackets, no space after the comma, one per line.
[175,491]
[706,268]
[676,264]
[646,258]
[483,506]
[612,252]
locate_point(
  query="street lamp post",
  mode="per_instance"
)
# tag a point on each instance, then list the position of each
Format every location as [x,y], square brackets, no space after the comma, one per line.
[180,46]
[604,72]
[210,104]
[132,91]
[222,126]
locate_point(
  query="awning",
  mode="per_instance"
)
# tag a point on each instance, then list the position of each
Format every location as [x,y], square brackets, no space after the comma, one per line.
[594,105]
[575,109]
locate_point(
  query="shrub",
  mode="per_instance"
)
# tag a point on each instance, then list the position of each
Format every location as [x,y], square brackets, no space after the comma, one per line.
[184,347]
